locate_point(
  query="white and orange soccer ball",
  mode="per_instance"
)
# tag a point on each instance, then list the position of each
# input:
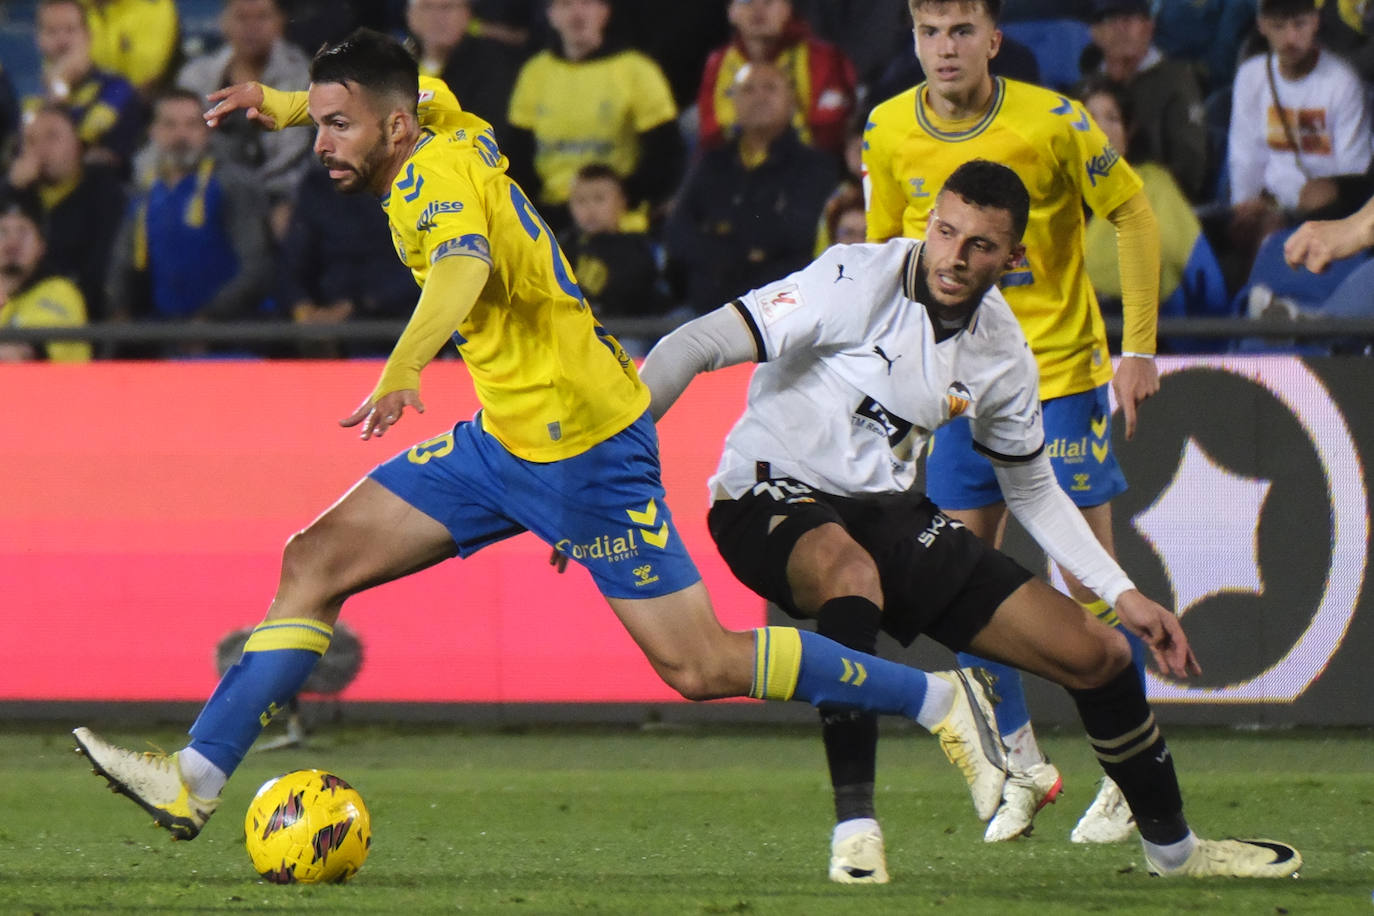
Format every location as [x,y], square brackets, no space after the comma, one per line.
[307,827]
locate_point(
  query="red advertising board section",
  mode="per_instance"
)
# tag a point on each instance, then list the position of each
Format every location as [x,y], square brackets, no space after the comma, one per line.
[143,508]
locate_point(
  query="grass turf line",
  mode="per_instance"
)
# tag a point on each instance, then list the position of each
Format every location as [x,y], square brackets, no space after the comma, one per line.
[723,820]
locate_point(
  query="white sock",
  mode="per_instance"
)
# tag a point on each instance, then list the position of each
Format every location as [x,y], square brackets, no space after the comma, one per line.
[937,703]
[1022,751]
[203,778]
[846,829]
[1167,858]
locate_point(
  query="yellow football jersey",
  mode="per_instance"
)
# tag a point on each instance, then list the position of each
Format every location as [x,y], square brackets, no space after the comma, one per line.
[551,381]
[54,302]
[1065,161]
[588,111]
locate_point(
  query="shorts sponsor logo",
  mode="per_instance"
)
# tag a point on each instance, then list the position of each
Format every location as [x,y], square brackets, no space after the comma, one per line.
[625,544]
[644,575]
[780,301]
[939,522]
[1074,451]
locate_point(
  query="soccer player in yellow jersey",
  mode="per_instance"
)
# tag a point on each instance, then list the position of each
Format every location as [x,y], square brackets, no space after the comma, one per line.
[563,446]
[912,143]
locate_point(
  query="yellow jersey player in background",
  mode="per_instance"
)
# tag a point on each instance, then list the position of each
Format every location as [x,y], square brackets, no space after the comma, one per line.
[563,446]
[912,143]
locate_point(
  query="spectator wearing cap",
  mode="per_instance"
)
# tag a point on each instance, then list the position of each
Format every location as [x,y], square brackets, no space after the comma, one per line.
[819,74]
[1298,120]
[1170,125]
[30,297]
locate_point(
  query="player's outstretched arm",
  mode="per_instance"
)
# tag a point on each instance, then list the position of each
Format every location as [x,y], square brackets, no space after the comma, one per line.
[272,108]
[450,292]
[713,341]
[1317,243]
[1160,630]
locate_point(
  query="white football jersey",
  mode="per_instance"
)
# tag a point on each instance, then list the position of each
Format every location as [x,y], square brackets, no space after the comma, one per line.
[852,382]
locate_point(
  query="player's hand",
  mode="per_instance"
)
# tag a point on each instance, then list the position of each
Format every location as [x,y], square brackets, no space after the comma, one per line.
[380,415]
[1136,379]
[245,97]
[1317,243]
[1161,631]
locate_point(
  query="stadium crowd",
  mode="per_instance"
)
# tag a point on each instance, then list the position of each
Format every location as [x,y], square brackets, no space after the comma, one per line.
[681,152]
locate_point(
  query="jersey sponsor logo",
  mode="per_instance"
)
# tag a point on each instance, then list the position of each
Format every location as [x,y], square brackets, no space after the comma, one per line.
[902,435]
[841,275]
[426,95]
[433,209]
[1100,166]
[958,398]
[779,302]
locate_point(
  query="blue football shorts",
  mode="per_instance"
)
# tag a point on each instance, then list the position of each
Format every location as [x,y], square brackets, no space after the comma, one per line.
[1078,439]
[604,508]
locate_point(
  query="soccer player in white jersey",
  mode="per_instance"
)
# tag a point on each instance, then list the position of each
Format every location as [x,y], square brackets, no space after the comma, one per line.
[863,355]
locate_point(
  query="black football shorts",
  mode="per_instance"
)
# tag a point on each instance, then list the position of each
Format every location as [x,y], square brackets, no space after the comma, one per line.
[937,577]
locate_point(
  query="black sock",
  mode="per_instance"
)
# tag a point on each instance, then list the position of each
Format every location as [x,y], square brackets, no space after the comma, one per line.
[850,736]
[1128,744]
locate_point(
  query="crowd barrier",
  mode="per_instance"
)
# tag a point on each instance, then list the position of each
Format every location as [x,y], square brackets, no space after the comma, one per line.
[143,507]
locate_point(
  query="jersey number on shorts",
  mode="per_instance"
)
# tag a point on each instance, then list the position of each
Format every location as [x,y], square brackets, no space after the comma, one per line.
[534,225]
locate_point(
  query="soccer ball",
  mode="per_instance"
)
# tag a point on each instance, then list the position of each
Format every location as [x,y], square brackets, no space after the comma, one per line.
[307,827]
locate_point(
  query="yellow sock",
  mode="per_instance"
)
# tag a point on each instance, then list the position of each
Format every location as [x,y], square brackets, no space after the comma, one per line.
[1102,611]
[777,663]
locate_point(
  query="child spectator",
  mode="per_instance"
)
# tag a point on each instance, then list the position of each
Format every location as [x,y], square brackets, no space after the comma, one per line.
[617,270]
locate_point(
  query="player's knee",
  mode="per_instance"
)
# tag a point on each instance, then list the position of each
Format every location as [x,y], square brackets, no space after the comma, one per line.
[308,565]
[832,565]
[1111,655]
[696,682]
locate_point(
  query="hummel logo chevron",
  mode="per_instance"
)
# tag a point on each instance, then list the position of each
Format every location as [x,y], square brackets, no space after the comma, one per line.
[853,670]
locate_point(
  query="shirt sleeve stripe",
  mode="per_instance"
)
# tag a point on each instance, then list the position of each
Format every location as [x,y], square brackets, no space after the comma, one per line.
[1013,459]
[760,353]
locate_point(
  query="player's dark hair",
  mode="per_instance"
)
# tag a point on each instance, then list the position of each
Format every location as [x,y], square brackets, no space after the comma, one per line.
[994,7]
[378,63]
[985,183]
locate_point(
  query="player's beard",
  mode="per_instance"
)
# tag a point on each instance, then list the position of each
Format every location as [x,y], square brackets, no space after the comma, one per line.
[363,174]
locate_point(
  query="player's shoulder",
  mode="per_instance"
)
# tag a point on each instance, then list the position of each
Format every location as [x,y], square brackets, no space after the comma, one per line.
[898,111]
[996,325]
[1037,110]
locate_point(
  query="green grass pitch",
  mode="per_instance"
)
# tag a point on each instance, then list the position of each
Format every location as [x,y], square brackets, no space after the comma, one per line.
[678,820]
